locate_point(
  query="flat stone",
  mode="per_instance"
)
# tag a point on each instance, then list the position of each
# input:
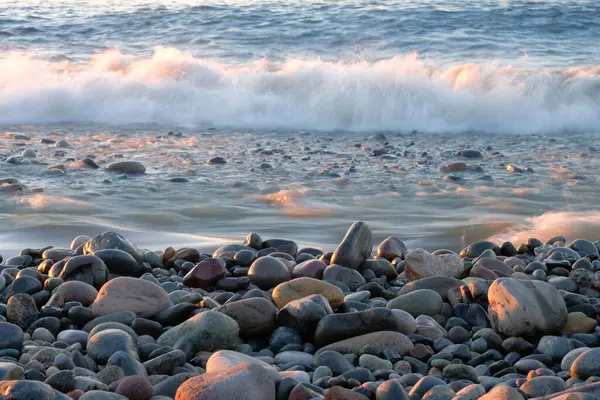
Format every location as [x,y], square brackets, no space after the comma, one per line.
[164,364]
[422,264]
[380,341]
[127,167]
[302,287]
[335,327]
[101,395]
[222,360]
[419,302]
[247,379]
[438,283]
[380,267]
[210,330]
[231,248]
[143,297]
[123,317]
[374,363]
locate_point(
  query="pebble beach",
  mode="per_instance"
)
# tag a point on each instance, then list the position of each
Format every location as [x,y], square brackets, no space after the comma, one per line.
[299,200]
[266,320]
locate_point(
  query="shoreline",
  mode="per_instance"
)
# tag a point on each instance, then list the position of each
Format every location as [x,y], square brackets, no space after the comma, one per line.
[104,319]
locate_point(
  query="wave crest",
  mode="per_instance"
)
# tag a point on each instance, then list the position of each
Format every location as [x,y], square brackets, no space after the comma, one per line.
[403,93]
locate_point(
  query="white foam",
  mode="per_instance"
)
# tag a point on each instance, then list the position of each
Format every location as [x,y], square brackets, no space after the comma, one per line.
[571,224]
[398,94]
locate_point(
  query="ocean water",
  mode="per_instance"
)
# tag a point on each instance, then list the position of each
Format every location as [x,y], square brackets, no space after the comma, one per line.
[293,94]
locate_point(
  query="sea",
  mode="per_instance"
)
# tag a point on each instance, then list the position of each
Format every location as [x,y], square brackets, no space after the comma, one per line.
[325,112]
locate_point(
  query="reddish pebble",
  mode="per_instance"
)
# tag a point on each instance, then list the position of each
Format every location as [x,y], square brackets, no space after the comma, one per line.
[206,273]
[135,388]
[75,394]
[309,269]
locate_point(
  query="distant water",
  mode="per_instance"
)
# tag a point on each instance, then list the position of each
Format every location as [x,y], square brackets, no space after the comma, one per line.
[302,86]
[435,66]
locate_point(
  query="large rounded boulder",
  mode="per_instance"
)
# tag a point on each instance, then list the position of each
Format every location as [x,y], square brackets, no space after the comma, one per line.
[143,297]
[526,308]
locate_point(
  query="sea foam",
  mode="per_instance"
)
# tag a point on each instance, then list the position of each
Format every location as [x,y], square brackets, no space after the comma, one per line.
[401,94]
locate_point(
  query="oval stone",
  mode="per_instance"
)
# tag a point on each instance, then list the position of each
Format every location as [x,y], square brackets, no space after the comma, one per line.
[143,297]
[268,272]
[302,287]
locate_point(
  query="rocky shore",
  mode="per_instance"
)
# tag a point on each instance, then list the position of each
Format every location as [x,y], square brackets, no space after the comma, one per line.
[267,320]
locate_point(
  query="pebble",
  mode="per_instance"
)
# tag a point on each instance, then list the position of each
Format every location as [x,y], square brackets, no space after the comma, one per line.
[105,343]
[256,317]
[298,288]
[418,302]
[422,264]
[249,379]
[143,297]
[127,167]
[267,320]
[267,272]
[355,247]
[335,327]
[210,330]
[526,308]
[135,388]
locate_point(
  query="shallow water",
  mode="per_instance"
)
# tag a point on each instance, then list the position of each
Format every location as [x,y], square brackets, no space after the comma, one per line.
[298,185]
[304,87]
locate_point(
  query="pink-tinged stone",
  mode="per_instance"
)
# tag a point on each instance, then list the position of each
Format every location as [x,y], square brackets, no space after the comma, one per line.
[206,273]
[309,269]
[75,394]
[391,248]
[135,388]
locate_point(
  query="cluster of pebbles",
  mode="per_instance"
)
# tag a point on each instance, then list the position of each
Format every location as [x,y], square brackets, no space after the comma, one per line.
[265,320]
